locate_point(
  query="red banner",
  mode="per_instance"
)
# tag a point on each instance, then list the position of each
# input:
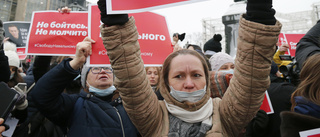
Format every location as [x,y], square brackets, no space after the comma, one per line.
[291,40]
[54,33]
[266,104]
[21,53]
[154,38]
[134,6]
[310,133]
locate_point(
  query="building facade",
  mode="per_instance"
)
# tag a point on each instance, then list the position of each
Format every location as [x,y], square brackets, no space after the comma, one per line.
[297,22]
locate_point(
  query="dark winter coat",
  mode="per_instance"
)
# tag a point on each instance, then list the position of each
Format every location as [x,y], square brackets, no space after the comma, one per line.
[4,67]
[308,45]
[280,95]
[93,117]
[292,123]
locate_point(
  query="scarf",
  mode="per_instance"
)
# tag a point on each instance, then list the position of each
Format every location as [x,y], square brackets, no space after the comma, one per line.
[204,114]
[306,107]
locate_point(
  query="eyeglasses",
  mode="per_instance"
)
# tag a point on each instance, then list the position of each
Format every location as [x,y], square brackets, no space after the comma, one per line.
[97,70]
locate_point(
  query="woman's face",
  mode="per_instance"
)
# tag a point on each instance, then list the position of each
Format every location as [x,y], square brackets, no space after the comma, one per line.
[13,69]
[186,73]
[227,66]
[175,38]
[100,80]
[153,77]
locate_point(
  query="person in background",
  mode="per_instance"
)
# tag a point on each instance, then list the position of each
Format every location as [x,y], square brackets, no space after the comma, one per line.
[304,113]
[13,58]
[308,45]
[222,62]
[4,69]
[268,125]
[276,58]
[187,109]
[176,41]
[20,112]
[153,75]
[219,82]
[305,101]
[4,64]
[199,50]
[96,111]
[194,47]
[213,46]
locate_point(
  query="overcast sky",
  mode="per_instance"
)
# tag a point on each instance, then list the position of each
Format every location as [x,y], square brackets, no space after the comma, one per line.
[187,18]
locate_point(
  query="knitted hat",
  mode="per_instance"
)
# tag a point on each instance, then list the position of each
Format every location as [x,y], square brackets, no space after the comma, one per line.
[214,43]
[218,59]
[84,74]
[10,50]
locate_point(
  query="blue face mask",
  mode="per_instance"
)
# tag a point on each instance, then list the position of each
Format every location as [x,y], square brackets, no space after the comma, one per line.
[230,71]
[193,97]
[101,92]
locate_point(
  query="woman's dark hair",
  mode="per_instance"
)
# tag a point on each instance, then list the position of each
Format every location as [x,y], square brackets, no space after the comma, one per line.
[195,47]
[199,50]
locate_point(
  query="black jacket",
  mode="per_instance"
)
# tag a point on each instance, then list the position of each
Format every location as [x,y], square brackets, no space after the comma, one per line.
[4,67]
[308,45]
[96,116]
[280,96]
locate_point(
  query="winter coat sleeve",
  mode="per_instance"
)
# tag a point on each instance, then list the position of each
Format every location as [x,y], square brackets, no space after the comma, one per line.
[242,100]
[308,45]
[41,66]
[48,97]
[4,65]
[139,100]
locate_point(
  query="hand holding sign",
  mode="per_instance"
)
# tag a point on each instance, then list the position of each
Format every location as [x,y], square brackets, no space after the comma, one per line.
[64,10]
[110,20]
[83,50]
[284,47]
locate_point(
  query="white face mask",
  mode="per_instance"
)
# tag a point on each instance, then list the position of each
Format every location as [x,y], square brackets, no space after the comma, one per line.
[11,76]
[230,71]
[101,92]
[192,97]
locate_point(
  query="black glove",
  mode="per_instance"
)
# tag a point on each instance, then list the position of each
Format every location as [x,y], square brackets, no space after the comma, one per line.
[258,125]
[261,11]
[109,20]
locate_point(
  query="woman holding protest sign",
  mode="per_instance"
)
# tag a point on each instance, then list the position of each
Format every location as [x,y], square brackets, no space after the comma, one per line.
[187,109]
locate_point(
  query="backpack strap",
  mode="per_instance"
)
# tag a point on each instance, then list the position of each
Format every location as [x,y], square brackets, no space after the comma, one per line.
[31,87]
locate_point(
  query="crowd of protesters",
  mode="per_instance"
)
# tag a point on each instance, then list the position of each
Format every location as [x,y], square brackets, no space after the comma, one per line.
[195,93]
